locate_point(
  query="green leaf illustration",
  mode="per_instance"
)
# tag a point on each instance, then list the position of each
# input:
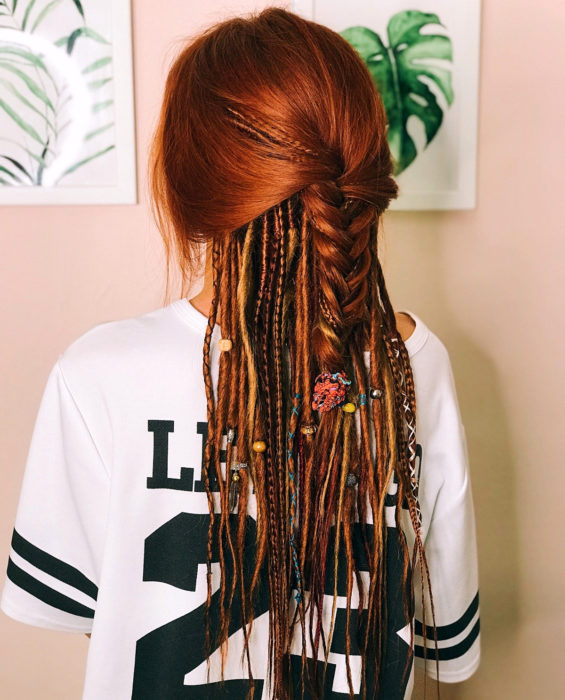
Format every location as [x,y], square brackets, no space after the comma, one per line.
[100,130]
[36,101]
[21,122]
[84,161]
[38,159]
[27,12]
[30,58]
[78,5]
[26,102]
[16,50]
[11,174]
[73,36]
[99,106]
[97,84]
[42,166]
[18,165]
[100,63]
[397,70]
[44,12]
[31,84]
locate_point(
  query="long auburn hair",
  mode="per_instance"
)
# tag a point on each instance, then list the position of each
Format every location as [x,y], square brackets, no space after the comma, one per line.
[272,149]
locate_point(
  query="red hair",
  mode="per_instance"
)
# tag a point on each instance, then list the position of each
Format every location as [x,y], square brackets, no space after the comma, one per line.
[272,147]
[256,110]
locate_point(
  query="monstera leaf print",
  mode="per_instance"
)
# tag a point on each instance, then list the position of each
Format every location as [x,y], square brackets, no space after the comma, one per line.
[398,69]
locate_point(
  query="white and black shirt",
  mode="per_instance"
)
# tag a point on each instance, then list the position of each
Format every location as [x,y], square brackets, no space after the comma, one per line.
[110,533]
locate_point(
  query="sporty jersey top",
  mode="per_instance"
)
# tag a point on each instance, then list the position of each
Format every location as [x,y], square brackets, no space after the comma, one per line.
[111,528]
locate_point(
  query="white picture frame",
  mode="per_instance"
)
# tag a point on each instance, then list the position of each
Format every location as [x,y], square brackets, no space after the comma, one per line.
[66,82]
[443,173]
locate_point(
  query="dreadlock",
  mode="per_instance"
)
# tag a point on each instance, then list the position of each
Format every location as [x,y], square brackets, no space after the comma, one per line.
[285,174]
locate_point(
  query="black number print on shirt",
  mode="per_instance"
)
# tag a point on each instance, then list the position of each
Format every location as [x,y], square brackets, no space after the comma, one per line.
[176,551]
[164,656]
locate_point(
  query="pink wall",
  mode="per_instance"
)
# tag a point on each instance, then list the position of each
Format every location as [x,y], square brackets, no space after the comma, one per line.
[486,281]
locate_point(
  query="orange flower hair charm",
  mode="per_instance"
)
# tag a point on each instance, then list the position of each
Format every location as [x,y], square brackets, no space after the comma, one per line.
[330,389]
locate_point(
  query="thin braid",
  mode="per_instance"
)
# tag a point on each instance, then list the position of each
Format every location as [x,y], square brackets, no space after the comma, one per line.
[234,382]
[278,357]
[276,642]
[376,625]
[407,475]
[347,428]
[271,134]
[225,361]
[300,479]
[209,447]
[244,293]
[245,475]
[365,483]
[296,461]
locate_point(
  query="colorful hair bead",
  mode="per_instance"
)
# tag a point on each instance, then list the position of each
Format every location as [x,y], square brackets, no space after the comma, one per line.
[362,399]
[259,445]
[330,389]
[349,407]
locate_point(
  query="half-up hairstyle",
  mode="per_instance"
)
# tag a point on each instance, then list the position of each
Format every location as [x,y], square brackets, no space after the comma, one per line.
[271,149]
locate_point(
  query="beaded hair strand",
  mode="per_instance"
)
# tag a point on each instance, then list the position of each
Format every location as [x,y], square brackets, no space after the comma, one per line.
[357,452]
[312,417]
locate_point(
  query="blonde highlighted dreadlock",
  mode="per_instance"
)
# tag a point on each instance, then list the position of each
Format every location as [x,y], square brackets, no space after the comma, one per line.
[262,154]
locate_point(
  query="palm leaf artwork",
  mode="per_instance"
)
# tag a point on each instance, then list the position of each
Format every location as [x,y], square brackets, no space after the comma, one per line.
[37,101]
[401,72]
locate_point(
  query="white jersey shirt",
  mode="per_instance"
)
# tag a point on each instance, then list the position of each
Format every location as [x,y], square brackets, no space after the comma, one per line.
[111,527]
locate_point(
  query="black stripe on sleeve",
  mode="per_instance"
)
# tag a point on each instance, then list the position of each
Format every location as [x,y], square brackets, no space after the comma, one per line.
[53,566]
[451,652]
[453,629]
[39,590]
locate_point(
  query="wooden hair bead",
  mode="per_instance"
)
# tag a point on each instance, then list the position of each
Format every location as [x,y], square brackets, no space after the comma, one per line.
[224,344]
[349,407]
[308,429]
[259,445]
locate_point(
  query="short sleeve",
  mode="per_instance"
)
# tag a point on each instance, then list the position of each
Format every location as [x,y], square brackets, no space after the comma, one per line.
[450,545]
[55,558]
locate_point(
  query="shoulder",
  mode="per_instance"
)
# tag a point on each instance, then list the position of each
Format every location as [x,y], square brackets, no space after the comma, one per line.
[428,354]
[405,324]
[433,373]
[106,339]
[118,349]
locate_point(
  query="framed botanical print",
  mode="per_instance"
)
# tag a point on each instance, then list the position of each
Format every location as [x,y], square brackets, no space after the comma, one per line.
[66,102]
